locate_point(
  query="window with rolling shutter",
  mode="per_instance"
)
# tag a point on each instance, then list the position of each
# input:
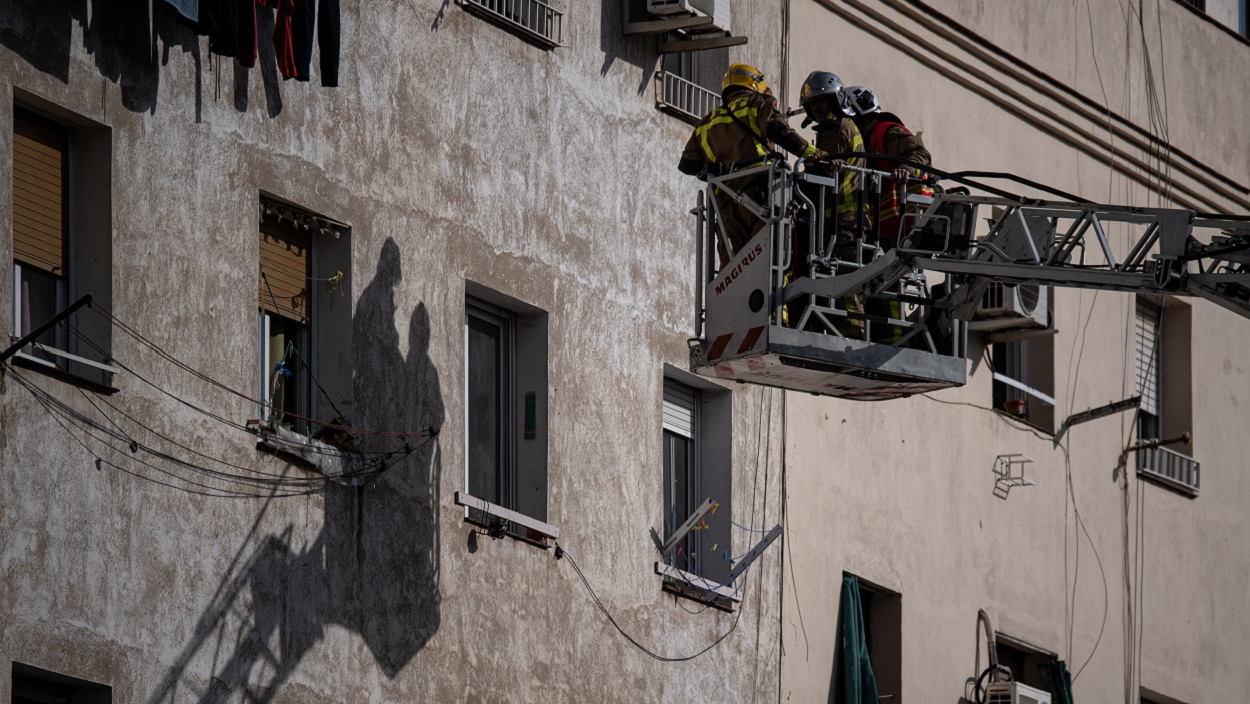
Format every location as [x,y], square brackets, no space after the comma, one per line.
[54,263]
[284,269]
[40,192]
[679,408]
[1148,365]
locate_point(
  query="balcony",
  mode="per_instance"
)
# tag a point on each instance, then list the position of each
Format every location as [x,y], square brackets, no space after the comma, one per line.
[1169,467]
[683,98]
[532,19]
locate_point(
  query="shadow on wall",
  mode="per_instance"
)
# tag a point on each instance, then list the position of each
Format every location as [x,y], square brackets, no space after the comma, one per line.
[637,51]
[374,567]
[128,44]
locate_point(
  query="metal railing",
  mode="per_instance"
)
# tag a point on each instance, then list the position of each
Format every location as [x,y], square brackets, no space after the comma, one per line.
[1170,466]
[683,98]
[533,18]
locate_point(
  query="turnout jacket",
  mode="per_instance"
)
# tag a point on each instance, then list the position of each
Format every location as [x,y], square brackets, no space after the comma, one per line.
[738,134]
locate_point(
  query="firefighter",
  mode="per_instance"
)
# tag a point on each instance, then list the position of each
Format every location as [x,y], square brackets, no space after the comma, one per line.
[885,133]
[827,104]
[738,135]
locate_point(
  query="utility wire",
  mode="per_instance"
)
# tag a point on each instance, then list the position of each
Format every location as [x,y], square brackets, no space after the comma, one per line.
[651,653]
[107,315]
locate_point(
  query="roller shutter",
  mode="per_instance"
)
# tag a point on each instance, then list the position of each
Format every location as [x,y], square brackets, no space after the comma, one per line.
[679,408]
[40,192]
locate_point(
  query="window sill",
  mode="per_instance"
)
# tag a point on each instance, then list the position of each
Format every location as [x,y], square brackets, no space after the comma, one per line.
[327,460]
[35,364]
[536,532]
[689,585]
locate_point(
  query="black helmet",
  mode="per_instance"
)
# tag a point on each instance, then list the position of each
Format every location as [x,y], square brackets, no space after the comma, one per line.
[822,84]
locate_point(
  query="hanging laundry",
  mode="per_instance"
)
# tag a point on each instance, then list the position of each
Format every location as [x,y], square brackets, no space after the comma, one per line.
[246,15]
[302,21]
[329,32]
[187,8]
[283,39]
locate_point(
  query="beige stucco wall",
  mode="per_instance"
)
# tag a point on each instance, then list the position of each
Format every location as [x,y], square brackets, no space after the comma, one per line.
[456,151]
[900,492]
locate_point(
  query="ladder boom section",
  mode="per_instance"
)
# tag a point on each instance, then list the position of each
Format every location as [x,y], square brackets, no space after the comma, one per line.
[822,283]
[1075,245]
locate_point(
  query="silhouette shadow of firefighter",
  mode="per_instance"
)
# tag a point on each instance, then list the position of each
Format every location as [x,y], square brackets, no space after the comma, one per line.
[373,568]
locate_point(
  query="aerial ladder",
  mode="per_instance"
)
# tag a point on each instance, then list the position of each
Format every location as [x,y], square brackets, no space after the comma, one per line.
[778,311]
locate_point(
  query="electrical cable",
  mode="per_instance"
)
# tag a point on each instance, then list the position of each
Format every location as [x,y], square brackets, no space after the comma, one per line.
[209,414]
[604,610]
[57,407]
[1081,523]
[107,315]
[212,492]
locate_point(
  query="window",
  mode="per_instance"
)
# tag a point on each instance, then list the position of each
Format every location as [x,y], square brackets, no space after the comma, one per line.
[688,83]
[62,246]
[697,460]
[1027,662]
[303,299]
[1149,697]
[506,413]
[34,686]
[1199,5]
[534,20]
[882,638]
[1024,379]
[1161,351]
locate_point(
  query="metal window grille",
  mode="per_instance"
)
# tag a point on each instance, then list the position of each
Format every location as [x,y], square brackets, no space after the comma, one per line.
[1199,5]
[1171,467]
[684,98]
[532,18]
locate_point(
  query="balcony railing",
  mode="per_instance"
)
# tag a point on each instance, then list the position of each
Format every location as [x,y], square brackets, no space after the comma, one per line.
[533,19]
[1170,467]
[685,99]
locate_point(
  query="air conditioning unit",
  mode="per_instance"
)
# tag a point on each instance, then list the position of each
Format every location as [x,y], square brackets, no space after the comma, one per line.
[718,10]
[1014,693]
[1021,306]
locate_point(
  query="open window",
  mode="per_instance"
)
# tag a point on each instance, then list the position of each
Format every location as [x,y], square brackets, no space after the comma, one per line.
[62,242]
[1161,349]
[505,415]
[303,363]
[32,685]
[1028,662]
[1024,379]
[696,424]
[870,626]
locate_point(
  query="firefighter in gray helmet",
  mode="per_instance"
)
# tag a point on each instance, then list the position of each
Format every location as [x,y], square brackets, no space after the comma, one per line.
[825,100]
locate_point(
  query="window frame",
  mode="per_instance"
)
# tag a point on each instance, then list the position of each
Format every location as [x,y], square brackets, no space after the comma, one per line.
[675,516]
[711,457]
[522,504]
[327,245]
[1014,363]
[86,248]
[505,370]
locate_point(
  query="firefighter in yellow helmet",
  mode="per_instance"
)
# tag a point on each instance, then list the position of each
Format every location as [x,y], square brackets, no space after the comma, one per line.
[738,135]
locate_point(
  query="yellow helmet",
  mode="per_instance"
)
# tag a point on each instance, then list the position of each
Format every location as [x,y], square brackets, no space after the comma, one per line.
[745,76]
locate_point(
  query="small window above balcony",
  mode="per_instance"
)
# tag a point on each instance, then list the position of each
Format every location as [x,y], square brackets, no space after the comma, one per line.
[533,20]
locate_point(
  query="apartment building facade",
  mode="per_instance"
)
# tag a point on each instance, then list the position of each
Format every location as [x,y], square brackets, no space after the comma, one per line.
[358,358]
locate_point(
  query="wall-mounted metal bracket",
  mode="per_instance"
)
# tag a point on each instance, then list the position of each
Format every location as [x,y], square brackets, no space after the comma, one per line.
[1094,414]
[1009,472]
[755,552]
[671,542]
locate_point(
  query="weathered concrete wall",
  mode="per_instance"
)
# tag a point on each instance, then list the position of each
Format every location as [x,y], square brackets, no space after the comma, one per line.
[899,493]
[455,151]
